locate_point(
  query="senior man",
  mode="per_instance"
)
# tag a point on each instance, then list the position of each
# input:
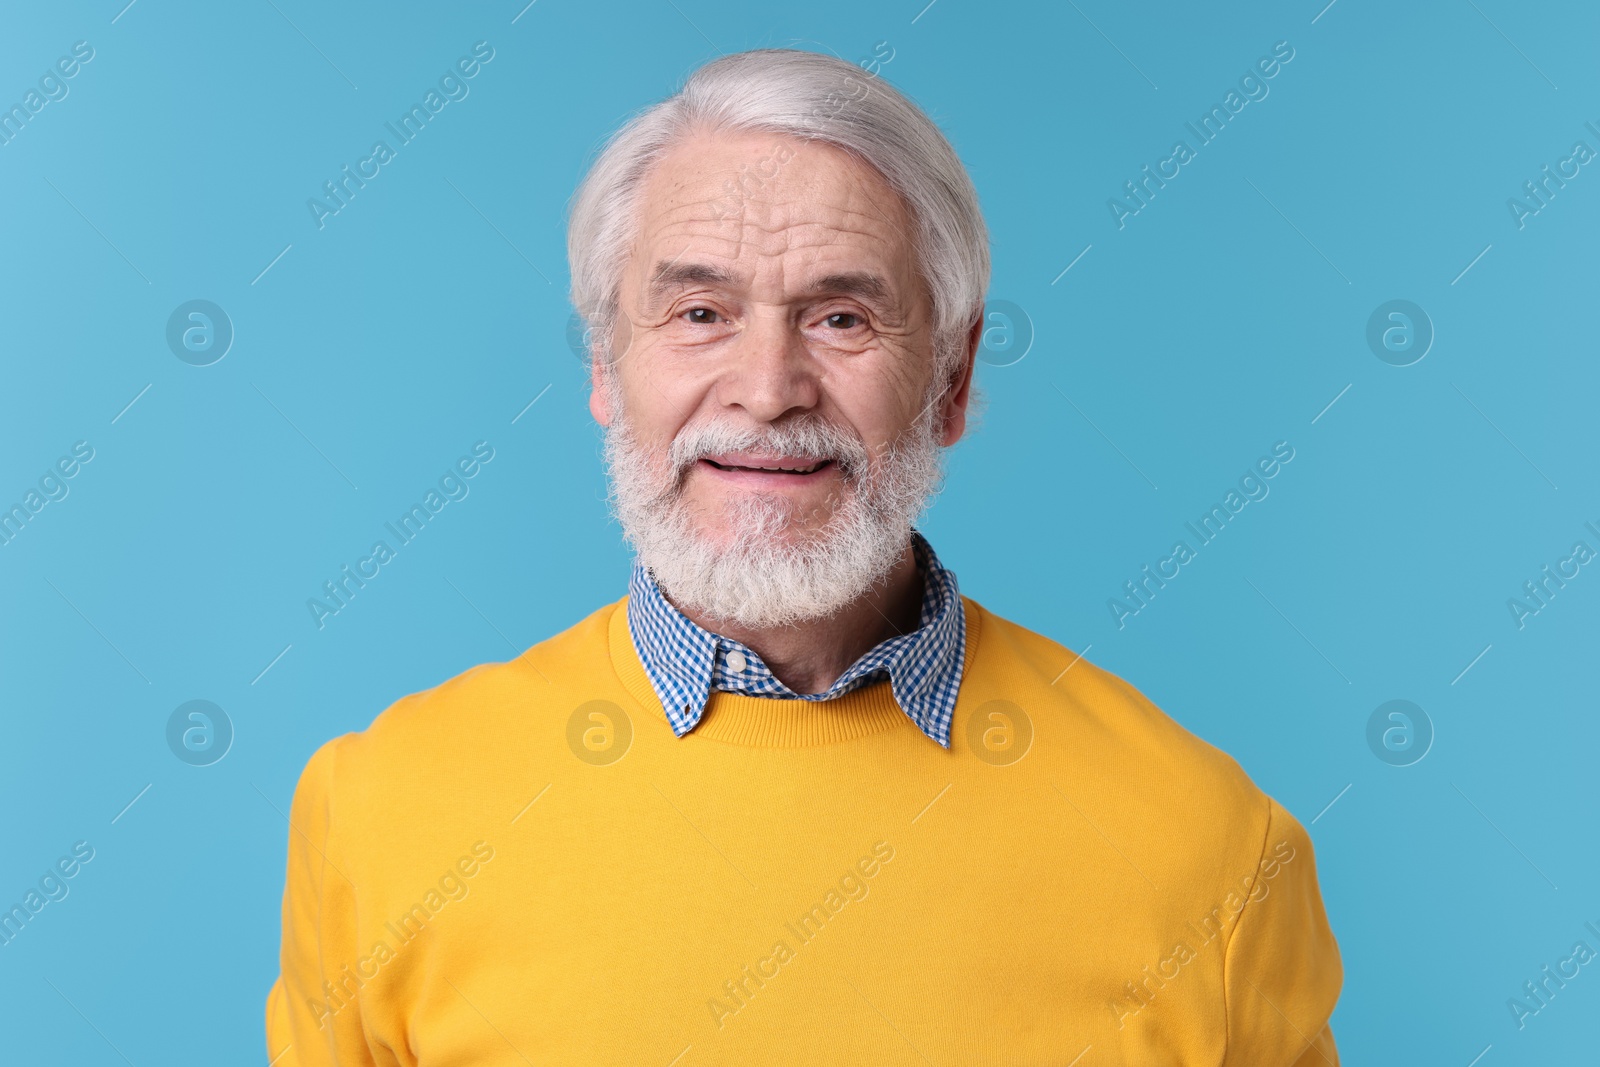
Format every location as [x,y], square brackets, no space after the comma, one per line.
[795,798]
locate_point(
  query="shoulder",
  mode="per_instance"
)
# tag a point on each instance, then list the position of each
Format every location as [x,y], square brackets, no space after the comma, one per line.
[466,721]
[1153,803]
[1098,735]
[1102,711]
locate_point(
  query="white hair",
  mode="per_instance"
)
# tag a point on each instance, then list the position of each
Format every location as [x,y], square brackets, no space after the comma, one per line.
[812,97]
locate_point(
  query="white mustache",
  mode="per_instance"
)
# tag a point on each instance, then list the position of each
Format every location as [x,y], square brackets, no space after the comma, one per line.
[811,439]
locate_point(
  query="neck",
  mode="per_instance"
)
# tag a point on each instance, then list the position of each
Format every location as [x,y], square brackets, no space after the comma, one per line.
[809,656]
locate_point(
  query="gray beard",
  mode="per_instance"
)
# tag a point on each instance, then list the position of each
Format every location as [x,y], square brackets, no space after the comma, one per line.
[760,578]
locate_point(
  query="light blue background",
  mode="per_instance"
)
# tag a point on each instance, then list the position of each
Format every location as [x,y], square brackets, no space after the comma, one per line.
[425,316]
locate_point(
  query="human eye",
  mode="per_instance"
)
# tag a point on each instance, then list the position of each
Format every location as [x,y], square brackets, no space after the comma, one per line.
[701,315]
[842,327]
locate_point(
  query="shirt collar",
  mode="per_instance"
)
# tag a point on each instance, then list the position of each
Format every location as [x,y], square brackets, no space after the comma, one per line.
[684,661]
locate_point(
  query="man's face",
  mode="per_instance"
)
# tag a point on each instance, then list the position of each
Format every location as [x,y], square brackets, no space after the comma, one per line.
[773,358]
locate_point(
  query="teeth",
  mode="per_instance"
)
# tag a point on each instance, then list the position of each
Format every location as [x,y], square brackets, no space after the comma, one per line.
[786,470]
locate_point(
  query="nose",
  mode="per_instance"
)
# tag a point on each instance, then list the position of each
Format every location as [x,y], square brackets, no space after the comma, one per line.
[770,372]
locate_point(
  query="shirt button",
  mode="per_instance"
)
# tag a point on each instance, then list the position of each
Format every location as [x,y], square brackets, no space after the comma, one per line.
[736,661]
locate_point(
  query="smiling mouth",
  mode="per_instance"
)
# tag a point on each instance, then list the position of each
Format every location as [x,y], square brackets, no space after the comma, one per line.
[812,468]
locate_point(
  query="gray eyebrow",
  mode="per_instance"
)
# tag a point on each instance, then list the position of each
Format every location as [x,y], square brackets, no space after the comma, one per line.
[868,286]
[671,275]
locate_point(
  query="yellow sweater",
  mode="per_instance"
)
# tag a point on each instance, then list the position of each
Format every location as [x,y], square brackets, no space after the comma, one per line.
[525,866]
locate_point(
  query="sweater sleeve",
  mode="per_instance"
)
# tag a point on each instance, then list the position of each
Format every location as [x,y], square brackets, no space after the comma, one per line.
[310,1023]
[1282,971]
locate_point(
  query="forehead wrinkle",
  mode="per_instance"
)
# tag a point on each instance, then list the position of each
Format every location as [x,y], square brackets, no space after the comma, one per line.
[775,262]
[806,212]
[771,236]
[840,205]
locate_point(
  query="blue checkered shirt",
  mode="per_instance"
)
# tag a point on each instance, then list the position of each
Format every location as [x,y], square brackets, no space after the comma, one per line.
[684,661]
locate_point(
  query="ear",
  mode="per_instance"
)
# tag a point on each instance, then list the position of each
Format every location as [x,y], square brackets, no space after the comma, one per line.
[953,414]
